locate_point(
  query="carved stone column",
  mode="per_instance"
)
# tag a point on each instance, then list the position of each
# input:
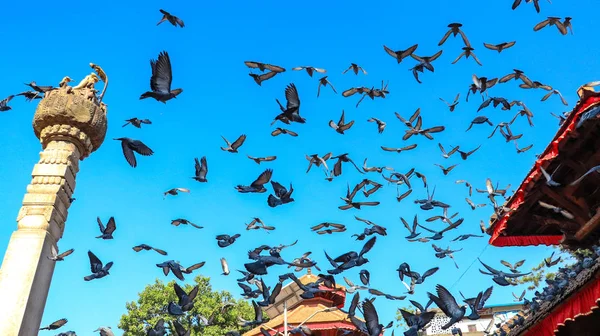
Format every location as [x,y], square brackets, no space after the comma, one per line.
[71,124]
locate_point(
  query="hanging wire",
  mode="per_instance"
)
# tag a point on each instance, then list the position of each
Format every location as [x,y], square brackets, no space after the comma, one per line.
[468,268]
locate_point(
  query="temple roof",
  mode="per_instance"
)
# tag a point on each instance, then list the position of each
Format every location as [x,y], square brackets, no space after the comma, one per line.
[579,300]
[569,155]
[291,293]
[321,319]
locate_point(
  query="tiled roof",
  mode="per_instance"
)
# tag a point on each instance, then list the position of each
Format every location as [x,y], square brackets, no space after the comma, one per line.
[295,316]
[562,306]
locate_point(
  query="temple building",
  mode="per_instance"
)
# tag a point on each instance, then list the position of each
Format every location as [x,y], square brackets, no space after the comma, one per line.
[560,212]
[490,317]
[321,314]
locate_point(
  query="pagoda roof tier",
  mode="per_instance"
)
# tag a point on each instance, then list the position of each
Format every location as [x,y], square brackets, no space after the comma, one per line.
[572,152]
[316,314]
[573,311]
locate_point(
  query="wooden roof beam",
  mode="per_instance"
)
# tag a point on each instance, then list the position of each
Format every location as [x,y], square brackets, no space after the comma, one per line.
[589,227]
[581,217]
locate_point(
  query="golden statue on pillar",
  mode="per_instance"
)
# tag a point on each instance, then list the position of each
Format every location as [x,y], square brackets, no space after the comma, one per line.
[71,124]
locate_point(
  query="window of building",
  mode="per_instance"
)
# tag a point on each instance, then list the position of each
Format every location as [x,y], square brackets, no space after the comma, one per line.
[472,328]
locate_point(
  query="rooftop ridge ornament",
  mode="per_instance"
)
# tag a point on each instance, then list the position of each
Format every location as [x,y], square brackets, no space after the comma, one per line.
[70,123]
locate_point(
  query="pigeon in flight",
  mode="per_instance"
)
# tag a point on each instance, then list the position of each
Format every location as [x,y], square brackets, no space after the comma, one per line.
[226,240]
[282,195]
[105,331]
[55,325]
[98,269]
[160,82]
[258,186]
[201,169]
[4,104]
[233,147]
[158,329]
[447,303]
[129,146]
[107,231]
[145,247]
[174,20]
[291,113]
[137,122]
[61,257]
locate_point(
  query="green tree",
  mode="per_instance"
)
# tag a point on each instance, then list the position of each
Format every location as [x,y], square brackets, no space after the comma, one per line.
[540,272]
[152,305]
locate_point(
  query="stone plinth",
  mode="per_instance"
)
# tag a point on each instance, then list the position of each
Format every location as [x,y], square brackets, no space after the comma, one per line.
[71,124]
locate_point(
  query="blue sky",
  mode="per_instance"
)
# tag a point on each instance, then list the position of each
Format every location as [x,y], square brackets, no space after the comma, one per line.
[220,98]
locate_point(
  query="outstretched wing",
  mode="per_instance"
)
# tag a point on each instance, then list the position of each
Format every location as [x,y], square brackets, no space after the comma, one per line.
[95,263]
[263,178]
[161,74]
[368,246]
[291,95]
[111,226]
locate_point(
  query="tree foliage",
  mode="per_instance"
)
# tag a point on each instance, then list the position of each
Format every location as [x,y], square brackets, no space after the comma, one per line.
[540,272]
[152,305]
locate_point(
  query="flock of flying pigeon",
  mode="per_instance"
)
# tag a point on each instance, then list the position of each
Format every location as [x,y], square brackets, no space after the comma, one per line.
[252,285]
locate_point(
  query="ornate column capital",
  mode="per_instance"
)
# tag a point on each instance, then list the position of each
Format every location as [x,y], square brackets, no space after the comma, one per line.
[72,114]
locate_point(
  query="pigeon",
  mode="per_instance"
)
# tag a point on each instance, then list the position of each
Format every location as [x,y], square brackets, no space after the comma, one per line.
[174,20]
[105,331]
[158,329]
[61,257]
[107,232]
[323,81]
[419,279]
[341,126]
[201,169]
[291,113]
[520,297]
[351,259]
[413,229]
[380,124]
[309,70]
[282,195]
[500,46]
[365,277]
[184,221]
[175,191]
[226,240]
[160,82]
[233,147]
[145,247]
[98,269]
[258,79]
[186,300]
[454,30]
[447,303]
[513,268]
[55,325]
[258,185]
[172,266]
[67,333]
[280,130]
[137,122]
[4,104]
[258,160]
[500,277]
[180,330]
[355,68]
[129,146]
[264,66]
[399,55]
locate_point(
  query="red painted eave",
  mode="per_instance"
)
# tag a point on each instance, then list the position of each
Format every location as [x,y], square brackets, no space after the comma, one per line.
[498,237]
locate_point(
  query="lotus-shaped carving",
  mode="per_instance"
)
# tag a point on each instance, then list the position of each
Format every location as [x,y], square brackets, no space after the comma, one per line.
[73,115]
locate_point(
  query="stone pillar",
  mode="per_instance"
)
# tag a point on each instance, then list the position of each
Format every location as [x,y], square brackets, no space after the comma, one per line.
[71,124]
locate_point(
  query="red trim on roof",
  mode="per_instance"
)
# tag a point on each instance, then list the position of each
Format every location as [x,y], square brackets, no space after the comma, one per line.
[527,240]
[580,303]
[518,198]
[323,326]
